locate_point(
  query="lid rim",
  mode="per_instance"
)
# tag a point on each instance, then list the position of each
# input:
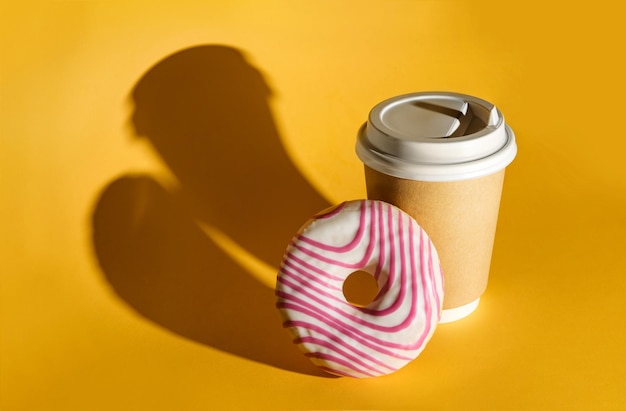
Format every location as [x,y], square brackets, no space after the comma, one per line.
[438,172]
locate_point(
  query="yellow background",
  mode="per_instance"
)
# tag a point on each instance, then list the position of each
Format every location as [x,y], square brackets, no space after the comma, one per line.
[127,280]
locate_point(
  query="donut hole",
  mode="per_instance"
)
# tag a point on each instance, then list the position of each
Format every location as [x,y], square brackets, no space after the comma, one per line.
[360,288]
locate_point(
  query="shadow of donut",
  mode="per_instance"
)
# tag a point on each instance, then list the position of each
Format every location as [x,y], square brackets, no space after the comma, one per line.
[205,111]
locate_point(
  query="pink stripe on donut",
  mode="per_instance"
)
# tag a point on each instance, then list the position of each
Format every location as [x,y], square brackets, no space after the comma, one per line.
[426,296]
[364,338]
[340,249]
[326,259]
[298,273]
[381,350]
[326,306]
[330,212]
[381,245]
[357,361]
[290,258]
[335,342]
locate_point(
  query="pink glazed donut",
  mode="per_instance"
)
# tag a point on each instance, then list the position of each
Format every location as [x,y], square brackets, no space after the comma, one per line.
[392,330]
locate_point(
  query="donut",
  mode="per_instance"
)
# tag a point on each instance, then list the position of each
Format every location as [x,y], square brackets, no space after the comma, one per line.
[346,339]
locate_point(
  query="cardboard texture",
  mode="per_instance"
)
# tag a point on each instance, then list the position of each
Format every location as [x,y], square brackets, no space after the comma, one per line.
[460,217]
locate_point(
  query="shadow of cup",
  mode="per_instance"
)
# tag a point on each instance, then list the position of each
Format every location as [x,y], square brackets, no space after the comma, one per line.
[206,112]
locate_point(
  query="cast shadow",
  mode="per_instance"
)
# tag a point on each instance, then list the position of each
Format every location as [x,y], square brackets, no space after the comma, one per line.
[205,111]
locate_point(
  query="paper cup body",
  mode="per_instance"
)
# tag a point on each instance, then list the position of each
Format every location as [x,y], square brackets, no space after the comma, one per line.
[441,157]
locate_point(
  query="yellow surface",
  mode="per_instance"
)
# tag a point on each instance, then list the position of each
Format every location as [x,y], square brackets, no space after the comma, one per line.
[129,283]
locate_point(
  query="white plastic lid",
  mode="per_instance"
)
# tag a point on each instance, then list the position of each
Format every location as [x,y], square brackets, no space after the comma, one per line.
[436,136]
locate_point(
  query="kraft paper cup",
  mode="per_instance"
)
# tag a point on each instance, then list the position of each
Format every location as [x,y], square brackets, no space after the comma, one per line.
[441,158]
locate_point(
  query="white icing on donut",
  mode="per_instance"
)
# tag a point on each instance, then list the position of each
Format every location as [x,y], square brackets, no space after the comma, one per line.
[386,334]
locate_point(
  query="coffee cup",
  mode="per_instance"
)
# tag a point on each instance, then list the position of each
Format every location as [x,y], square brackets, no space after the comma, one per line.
[441,157]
